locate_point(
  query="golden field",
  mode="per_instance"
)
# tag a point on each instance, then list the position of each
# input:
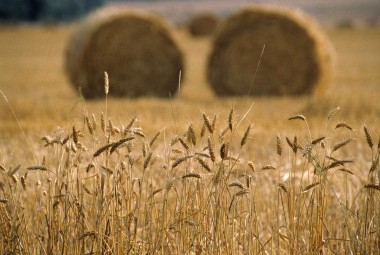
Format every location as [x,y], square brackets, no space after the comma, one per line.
[229,190]
[34,81]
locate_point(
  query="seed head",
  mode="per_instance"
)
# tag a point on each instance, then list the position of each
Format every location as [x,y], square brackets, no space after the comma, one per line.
[343,125]
[89,124]
[368,137]
[211,149]
[279,148]
[207,123]
[204,164]
[230,119]
[245,136]
[224,150]
[341,144]
[106,83]
[191,135]
[318,140]
[332,113]
[191,175]
[169,184]
[102,121]
[203,130]
[297,117]
[3,96]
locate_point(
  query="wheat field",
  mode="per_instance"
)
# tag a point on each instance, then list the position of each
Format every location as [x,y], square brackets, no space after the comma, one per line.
[195,174]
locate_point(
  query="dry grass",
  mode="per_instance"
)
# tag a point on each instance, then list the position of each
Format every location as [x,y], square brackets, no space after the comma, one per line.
[204,184]
[115,189]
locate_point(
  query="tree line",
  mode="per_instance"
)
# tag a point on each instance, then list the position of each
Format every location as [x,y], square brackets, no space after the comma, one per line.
[45,10]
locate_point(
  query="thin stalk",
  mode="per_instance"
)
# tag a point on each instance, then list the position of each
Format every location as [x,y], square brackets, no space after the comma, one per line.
[19,125]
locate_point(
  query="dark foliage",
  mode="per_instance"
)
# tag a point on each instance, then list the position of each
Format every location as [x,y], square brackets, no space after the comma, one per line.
[45,10]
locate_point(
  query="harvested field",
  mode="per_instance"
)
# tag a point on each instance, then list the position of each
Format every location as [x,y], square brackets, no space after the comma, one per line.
[169,176]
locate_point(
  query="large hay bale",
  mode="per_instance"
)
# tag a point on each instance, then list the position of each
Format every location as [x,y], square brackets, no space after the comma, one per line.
[296,59]
[134,47]
[203,24]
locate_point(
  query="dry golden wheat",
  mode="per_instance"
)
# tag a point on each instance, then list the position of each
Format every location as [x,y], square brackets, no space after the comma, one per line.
[368,137]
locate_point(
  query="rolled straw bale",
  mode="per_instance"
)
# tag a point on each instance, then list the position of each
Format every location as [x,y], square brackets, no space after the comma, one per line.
[203,24]
[134,47]
[297,57]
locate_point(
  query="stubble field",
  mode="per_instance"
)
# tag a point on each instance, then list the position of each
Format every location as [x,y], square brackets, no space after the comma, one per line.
[224,175]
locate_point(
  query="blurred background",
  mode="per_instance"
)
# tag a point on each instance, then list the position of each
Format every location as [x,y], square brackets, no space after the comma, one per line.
[34,36]
[338,12]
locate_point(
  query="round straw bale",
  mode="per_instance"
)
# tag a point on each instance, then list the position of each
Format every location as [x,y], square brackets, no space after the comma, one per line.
[296,58]
[135,48]
[203,24]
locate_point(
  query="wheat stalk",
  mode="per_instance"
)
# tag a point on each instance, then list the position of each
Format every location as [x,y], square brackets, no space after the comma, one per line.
[318,140]
[207,123]
[297,117]
[250,164]
[268,167]
[230,119]
[236,184]
[278,145]
[182,142]
[102,122]
[106,91]
[343,125]
[154,138]
[333,112]
[19,125]
[89,125]
[147,160]
[204,164]
[41,168]
[191,135]
[102,149]
[178,161]
[245,136]
[368,137]
[191,175]
[211,149]
[224,150]
[341,144]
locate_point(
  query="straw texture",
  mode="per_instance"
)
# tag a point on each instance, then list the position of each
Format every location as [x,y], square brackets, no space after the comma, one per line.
[297,59]
[135,48]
